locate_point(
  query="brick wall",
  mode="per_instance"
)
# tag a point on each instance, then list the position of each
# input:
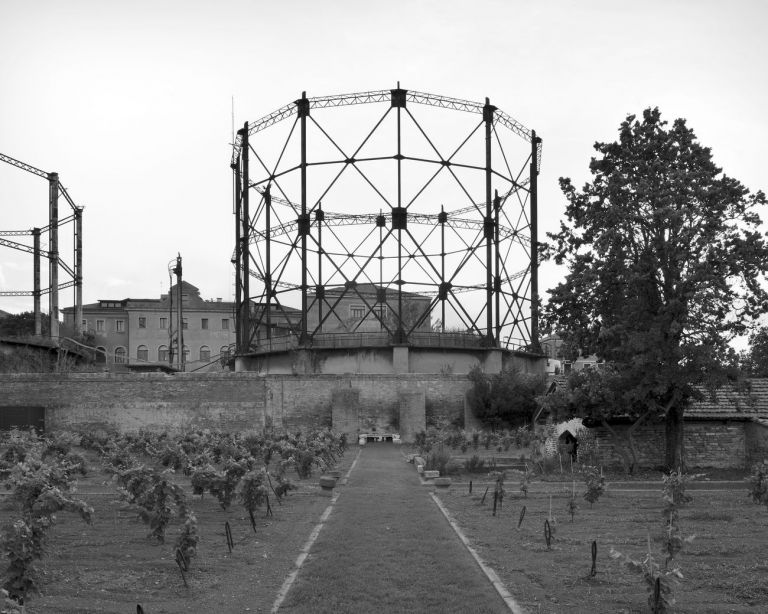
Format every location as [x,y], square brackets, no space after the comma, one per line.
[756,442]
[718,444]
[231,401]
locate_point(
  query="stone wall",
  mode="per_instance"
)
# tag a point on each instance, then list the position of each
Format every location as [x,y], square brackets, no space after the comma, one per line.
[716,443]
[231,401]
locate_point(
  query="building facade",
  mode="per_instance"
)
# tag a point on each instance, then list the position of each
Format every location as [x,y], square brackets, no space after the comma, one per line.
[367,308]
[140,332]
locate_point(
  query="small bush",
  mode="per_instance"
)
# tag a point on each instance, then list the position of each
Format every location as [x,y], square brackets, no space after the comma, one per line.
[758,483]
[474,464]
[595,483]
[437,460]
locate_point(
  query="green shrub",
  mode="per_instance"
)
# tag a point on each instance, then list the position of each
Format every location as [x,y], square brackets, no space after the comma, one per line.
[437,460]
[758,483]
[474,464]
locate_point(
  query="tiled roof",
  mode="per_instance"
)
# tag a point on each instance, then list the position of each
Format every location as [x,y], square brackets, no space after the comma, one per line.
[556,382]
[751,403]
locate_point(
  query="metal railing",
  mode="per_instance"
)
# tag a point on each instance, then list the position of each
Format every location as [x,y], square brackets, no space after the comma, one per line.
[455,340]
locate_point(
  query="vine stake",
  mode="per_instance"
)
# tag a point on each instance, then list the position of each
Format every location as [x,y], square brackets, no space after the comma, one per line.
[181,569]
[657,596]
[181,560]
[482,501]
[522,515]
[593,571]
[547,534]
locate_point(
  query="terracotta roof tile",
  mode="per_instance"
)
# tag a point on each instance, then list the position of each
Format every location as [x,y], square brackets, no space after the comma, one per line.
[750,403]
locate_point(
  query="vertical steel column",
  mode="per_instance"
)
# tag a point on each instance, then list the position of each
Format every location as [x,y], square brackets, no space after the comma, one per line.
[534,242]
[238,246]
[79,269]
[497,259]
[320,216]
[443,294]
[303,107]
[488,110]
[36,290]
[245,305]
[268,258]
[53,254]
[400,333]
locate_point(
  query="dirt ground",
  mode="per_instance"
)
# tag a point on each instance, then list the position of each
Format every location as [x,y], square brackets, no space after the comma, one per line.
[724,567]
[111,566]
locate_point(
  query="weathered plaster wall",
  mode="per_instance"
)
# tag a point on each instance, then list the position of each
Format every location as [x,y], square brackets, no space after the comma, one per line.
[234,401]
[388,360]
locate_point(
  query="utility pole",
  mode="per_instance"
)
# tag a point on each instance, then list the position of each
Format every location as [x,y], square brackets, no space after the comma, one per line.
[179,314]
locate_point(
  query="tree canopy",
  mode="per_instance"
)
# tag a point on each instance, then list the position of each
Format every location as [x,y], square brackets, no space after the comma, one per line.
[21,324]
[666,263]
[754,360]
[506,399]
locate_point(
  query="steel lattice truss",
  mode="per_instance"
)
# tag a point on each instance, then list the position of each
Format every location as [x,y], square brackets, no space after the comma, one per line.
[55,262]
[407,203]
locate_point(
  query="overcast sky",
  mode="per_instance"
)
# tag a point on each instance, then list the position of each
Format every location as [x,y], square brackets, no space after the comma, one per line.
[131,102]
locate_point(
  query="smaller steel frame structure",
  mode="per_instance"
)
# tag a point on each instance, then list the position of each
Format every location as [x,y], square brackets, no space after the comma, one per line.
[55,262]
[282,231]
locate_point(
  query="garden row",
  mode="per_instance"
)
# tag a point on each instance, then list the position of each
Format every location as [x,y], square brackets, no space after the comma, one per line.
[152,474]
[653,556]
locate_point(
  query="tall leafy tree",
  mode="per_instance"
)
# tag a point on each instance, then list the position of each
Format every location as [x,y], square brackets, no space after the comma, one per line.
[504,399]
[665,260]
[754,361]
[598,395]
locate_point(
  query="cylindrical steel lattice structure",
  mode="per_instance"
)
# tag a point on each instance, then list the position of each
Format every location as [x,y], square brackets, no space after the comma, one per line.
[403,215]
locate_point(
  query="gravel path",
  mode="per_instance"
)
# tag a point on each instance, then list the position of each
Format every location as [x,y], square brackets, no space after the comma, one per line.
[386,547]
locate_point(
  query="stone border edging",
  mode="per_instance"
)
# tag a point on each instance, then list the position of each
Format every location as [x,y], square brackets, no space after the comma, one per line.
[304,552]
[506,596]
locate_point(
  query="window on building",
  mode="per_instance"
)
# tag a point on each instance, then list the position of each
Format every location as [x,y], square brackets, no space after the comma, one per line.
[119,326]
[163,322]
[186,354]
[99,326]
[380,310]
[119,355]
[101,354]
[356,311]
[142,322]
[205,354]
[142,353]
[84,326]
[204,323]
[184,323]
[224,324]
[162,353]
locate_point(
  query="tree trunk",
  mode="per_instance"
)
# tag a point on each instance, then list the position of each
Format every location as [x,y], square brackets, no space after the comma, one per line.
[675,453]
